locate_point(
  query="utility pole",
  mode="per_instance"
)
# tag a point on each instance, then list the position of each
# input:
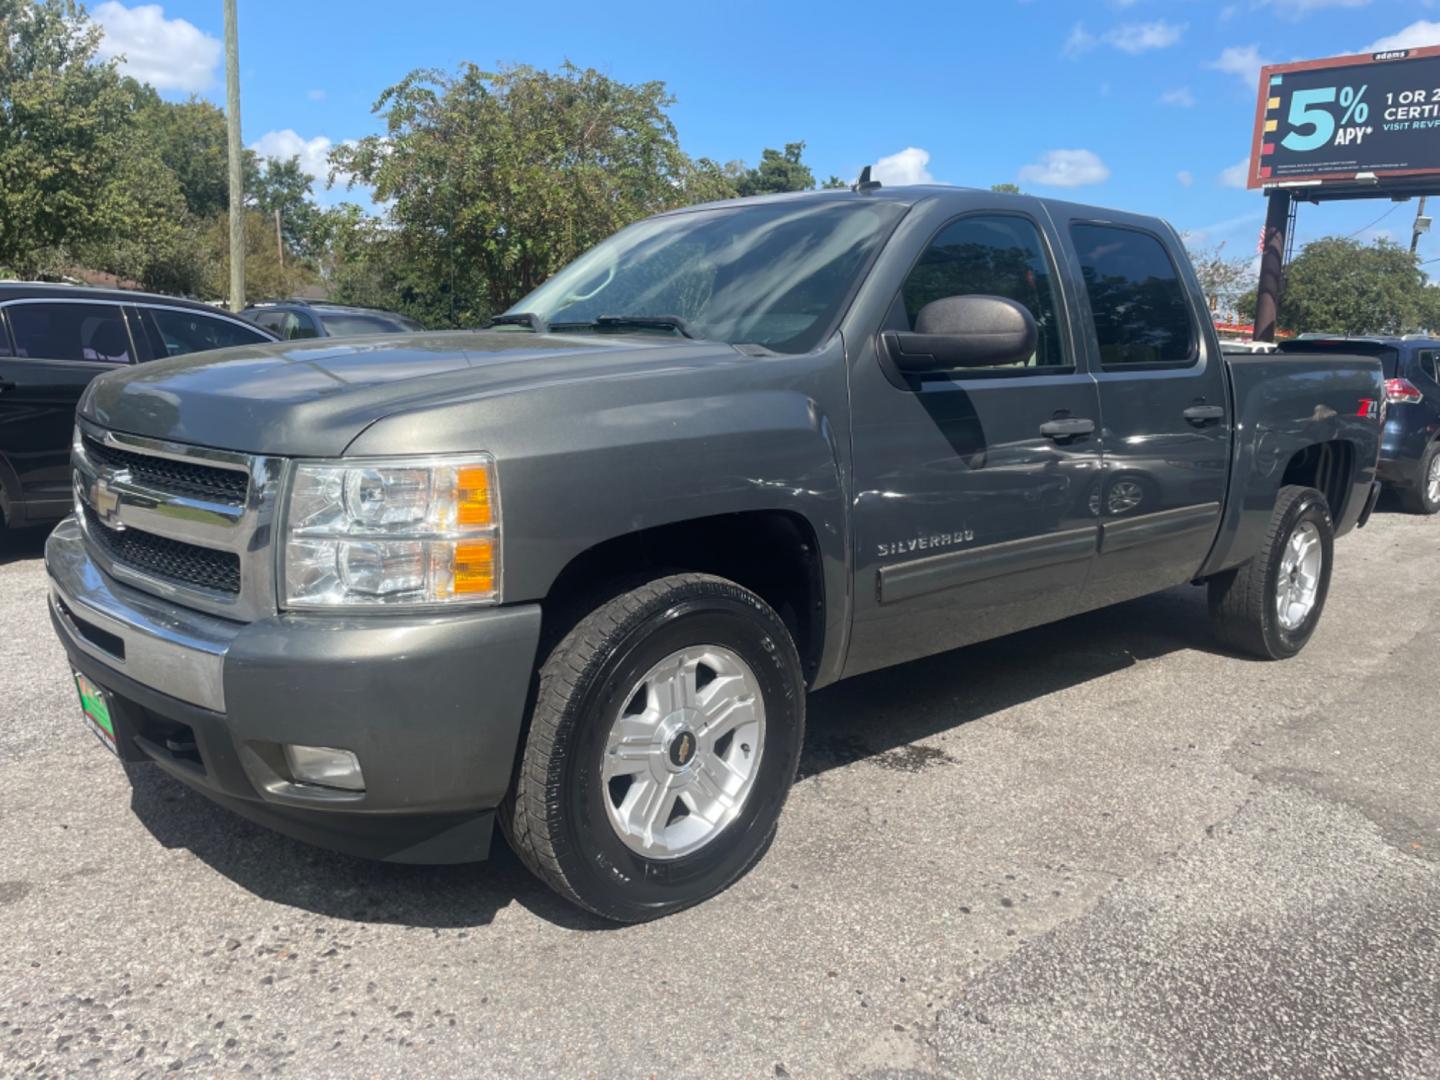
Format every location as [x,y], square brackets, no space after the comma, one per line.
[237,172]
[1272,265]
[1422,225]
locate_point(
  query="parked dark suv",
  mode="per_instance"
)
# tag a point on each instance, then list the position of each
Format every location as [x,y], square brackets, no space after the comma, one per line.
[291,319]
[53,340]
[1410,453]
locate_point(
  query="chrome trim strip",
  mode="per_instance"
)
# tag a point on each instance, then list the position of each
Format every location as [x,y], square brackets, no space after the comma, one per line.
[139,301]
[140,444]
[907,580]
[174,651]
[176,517]
[1121,533]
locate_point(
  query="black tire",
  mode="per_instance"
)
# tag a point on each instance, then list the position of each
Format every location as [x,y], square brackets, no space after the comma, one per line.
[1243,600]
[555,818]
[1417,499]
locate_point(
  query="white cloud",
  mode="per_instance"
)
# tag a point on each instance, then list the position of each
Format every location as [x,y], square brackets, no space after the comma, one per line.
[1186,177]
[906,167]
[313,153]
[1204,234]
[1066,168]
[1242,61]
[1299,8]
[1180,97]
[315,95]
[1079,41]
[169,54]
[1237,175]
[1142,37]
[1417,35]
[1130,38]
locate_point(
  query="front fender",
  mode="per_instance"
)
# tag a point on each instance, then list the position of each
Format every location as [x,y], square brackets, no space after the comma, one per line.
[584,462]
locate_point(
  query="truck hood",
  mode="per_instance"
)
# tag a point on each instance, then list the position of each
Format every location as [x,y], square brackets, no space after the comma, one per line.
[312,398]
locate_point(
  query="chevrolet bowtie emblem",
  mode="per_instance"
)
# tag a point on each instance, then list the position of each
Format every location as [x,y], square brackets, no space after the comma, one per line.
[105,500]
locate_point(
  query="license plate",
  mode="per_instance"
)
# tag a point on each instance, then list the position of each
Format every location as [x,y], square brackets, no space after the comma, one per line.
[95,707]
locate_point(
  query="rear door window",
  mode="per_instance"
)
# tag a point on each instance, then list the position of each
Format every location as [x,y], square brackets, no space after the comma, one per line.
[1427,365]
[76,331]
[184,332]
[274,321]
[298,326]
[1140,305]
[345,325]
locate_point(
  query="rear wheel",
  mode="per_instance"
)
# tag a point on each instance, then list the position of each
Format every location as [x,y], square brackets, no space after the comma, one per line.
[665,734]
[1270,607]
[1424,497]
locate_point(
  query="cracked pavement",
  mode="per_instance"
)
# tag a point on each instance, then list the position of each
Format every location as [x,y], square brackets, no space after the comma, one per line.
[1100,848]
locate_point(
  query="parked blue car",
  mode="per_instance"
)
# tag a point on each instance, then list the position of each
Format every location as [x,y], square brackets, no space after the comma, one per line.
[1410,453]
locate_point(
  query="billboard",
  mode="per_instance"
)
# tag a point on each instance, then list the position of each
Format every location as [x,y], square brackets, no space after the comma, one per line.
[1348,117]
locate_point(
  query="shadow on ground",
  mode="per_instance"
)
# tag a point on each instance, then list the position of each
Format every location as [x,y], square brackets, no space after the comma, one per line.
[17,545]
[876,717]
[881,715]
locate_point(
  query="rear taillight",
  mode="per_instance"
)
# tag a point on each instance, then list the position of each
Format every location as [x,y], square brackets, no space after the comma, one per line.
[1402,392]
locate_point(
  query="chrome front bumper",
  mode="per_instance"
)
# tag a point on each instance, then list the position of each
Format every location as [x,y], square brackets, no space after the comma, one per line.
[173,650]
[431,707]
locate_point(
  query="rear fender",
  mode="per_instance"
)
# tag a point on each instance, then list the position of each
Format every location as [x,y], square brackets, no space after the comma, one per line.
[1284,404]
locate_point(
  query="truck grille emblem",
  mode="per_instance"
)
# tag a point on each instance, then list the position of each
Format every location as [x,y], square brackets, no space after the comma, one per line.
[105,501]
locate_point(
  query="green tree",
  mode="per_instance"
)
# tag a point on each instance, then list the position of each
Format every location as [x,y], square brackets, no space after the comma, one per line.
[363,262]
[283,186]
[1429,319]
[1006,189]
[189,137]
[778,171]
[264,275]
[1223,279]
[1337,285]
[64,125]
[495,179]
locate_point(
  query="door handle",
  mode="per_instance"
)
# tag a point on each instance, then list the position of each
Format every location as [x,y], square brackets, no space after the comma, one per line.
[1203,414]
[1068,428]
[6,384]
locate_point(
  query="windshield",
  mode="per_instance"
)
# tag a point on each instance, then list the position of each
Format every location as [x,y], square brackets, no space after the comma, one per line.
[773,274]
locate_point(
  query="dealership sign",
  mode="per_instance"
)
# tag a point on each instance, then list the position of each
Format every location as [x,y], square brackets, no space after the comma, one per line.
[1348,118]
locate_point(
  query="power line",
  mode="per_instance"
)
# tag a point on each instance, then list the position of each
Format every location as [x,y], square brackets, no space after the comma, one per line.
[1377,221]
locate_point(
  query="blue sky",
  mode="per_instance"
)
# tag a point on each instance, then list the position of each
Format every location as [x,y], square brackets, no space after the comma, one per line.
[1141,104]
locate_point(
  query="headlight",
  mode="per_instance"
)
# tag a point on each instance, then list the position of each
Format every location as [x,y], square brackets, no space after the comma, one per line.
[392,531]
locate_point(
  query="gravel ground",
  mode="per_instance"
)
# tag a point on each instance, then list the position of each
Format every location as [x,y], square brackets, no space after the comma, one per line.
[1102,848]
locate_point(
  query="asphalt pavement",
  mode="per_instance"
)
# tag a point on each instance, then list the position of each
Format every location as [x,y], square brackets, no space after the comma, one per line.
[1100,848]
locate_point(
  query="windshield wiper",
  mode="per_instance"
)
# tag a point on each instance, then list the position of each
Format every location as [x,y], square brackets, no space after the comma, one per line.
[642,322]
[520,318]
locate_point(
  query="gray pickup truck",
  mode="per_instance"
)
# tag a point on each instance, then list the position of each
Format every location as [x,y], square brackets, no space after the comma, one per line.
[577,571]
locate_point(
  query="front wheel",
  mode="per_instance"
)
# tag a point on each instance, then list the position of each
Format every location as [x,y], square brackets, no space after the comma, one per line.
[665,734]
[1270,606]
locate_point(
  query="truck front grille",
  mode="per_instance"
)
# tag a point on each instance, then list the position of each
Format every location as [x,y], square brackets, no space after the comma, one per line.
[192,524]
[171,560]
[225,486]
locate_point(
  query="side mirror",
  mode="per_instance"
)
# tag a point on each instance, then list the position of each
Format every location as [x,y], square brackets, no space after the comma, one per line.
[964,332]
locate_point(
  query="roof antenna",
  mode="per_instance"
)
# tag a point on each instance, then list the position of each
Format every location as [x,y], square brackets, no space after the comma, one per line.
[865,183]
